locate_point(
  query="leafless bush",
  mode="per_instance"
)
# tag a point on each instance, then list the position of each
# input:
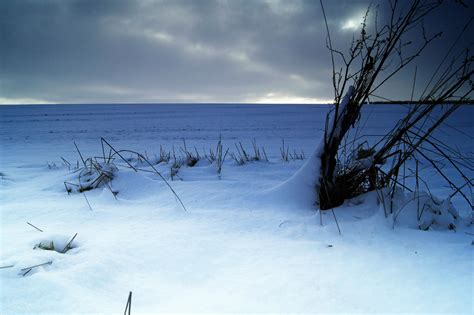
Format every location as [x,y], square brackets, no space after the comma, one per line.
[372,60]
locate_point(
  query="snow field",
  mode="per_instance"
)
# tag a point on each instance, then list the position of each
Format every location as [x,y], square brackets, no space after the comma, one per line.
[249,242]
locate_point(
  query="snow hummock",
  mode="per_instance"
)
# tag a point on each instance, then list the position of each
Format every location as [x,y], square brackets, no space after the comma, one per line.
[301,188]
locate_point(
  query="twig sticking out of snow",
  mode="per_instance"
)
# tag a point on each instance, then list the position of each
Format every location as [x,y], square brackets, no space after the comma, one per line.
[335,219]
[128,307]
[65,249]
[9,266]
[80,154]
[66,162]
[87,200]
[34,226]
[28,269]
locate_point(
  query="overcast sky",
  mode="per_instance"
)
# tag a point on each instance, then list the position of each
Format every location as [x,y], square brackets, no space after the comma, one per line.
[112,51]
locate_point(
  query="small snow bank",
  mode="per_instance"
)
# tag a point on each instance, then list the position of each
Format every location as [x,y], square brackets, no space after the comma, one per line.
[56,242]
[131,185]
[299,190]
[410,210]
[421,210]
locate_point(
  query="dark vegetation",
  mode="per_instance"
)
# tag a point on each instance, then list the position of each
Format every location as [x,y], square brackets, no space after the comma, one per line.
[350,167]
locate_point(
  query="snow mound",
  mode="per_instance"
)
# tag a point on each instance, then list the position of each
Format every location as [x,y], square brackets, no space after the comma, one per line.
[300,189]
[56,242]
[421,210]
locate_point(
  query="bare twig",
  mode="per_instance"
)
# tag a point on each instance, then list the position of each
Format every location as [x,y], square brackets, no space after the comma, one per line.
[34,226]
[66,248]
[28,269]
[128,307]
[87,200]
[335,219]
[80,154]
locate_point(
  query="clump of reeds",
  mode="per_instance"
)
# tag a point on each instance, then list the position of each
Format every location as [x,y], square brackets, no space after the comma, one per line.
[96,172]
[242,156]
[286,155]
[190,158]
[100,171]
[218,156]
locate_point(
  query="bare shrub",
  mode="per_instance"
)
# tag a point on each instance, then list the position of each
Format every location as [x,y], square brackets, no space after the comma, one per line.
[372,60]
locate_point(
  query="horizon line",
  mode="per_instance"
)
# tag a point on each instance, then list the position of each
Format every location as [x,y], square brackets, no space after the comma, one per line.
[163,103]
[399,102]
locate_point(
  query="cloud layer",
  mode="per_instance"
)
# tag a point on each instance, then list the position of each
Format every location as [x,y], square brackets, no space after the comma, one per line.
[111,51]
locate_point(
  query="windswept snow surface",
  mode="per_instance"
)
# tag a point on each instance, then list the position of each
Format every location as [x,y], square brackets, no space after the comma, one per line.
[250,241]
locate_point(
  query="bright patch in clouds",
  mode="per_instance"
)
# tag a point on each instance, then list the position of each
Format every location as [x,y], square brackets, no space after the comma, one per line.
[22,101]
[280,98]
[353,23]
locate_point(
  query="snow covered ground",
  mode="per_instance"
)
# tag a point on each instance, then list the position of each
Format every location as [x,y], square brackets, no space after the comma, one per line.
[248,242]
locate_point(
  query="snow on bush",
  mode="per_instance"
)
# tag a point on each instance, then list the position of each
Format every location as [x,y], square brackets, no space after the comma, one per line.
[423,211]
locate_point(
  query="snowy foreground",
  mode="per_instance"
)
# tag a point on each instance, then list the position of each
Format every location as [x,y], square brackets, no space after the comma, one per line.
[250,241]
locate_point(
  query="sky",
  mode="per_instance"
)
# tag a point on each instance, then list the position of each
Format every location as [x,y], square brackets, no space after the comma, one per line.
[195,51]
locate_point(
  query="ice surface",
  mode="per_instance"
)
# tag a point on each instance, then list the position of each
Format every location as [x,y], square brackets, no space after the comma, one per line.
[249,242]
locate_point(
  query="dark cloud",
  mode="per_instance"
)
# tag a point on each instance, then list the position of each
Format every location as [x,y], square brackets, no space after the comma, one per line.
[180,51]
